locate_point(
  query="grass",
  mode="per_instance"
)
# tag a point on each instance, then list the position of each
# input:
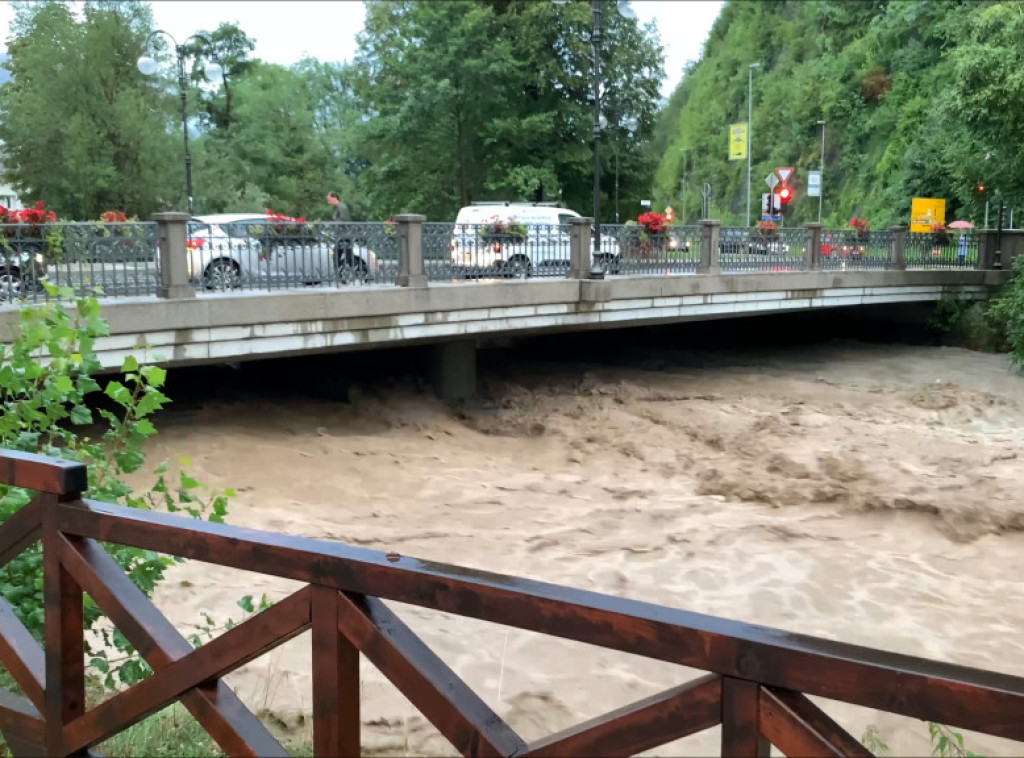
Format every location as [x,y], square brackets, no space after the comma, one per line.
[170,733]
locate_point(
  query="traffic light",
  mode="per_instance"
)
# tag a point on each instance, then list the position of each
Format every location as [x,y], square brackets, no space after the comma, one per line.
[782,198]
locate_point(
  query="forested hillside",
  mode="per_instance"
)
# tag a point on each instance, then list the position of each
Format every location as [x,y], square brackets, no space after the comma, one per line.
[921,98]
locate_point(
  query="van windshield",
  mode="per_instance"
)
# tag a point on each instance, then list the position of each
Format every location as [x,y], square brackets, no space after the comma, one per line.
[564,218]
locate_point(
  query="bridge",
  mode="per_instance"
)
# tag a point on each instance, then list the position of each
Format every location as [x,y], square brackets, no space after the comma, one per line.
[418,297]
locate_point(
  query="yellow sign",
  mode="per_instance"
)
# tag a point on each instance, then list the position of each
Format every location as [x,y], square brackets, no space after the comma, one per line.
[737,142]
[925,211]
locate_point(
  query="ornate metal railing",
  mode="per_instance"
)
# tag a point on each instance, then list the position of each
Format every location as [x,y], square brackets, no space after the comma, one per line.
[123,260]
[756,688]
[117,259]
[631,250]
[268,255]
[848,249]
[951,250]
[482,251]
[742,249]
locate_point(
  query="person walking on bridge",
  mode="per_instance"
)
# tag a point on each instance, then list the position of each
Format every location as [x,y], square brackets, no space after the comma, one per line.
[342,242]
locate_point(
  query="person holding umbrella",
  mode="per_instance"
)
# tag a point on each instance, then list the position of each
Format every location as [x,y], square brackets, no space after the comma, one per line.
[962,243]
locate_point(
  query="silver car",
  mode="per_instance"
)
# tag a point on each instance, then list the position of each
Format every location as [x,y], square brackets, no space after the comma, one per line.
[232,250]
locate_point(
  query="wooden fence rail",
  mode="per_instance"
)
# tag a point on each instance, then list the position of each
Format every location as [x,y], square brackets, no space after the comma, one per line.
[756,688]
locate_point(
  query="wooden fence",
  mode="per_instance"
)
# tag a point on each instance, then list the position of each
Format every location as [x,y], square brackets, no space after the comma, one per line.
[756,688]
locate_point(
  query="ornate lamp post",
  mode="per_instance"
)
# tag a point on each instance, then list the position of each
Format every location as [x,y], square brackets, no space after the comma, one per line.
[597,12]
[147,65]
[631,125]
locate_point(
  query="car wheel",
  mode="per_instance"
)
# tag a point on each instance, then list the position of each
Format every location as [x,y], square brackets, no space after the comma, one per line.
[519,268]
[351,273]
[222,275]
[12,286]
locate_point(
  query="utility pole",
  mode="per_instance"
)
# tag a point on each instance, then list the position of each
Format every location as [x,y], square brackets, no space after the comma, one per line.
[750,125]
[821,172]
[682,185]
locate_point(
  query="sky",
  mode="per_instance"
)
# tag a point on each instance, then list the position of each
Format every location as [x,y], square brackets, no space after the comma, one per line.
[286,31]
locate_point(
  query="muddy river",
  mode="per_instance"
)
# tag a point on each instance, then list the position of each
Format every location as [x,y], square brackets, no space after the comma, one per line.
[864,493]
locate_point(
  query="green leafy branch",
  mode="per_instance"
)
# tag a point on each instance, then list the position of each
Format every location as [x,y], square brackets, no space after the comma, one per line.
[48,392]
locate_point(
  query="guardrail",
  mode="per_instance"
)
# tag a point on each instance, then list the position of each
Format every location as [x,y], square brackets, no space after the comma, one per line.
[247,255]
[756,688]
[127,260]
[120,259]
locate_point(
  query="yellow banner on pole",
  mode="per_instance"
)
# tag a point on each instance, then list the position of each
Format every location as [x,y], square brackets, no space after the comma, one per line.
[925,211]
[737,142]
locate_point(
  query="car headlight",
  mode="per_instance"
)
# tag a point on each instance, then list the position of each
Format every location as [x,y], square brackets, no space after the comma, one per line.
[673,245]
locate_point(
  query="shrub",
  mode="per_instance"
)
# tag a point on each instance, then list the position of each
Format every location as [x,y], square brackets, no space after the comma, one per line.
[47,375]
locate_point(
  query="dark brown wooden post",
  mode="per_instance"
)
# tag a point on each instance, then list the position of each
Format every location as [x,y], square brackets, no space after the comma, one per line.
[335,681]
[741,734]
[63,632]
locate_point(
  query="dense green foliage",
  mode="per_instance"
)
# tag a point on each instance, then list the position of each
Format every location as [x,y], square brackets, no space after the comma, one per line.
[82,127]
[48,394]
[1008,311]
[493,100]
[446,103]
[921,98]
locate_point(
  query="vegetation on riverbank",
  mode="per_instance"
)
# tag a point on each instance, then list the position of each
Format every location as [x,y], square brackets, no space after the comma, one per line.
[996,326]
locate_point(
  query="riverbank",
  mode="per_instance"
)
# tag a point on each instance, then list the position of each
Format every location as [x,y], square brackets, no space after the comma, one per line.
[861,493]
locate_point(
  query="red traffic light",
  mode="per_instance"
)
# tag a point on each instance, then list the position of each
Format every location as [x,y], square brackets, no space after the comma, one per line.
[785,194]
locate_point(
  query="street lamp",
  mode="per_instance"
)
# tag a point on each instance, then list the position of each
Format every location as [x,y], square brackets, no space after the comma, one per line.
[750,126]
[631,124]
[682,185]
[626,11]
[214,72]
[821,171]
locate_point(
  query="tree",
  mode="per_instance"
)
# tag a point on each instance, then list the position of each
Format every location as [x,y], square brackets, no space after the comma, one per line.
[84,130]
[476,100]
[230,47]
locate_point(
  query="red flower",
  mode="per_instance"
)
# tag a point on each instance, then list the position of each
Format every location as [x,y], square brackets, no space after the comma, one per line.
[654,223]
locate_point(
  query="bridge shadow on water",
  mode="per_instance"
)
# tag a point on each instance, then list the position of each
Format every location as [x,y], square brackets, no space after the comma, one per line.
[728,342]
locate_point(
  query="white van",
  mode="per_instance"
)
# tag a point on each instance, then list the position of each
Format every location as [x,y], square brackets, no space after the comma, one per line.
[512,239]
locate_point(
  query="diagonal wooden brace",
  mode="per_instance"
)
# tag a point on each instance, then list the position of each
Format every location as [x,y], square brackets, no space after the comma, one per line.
[220,712]
[232,650]
[444,699]
[643,725]
[799,728]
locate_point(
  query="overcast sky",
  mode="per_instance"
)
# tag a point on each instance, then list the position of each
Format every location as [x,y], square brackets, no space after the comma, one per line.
[326,30]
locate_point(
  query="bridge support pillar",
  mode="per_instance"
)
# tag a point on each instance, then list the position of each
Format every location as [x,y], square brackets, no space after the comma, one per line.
[812,252]
[453,370]
[709,234]
[410,250]
[579,248]
[172,233]
[898,255]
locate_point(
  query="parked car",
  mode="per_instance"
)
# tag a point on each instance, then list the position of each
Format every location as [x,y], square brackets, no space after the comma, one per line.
[839,245]
[21,269]
[228,249]
[511,239]
[744,242]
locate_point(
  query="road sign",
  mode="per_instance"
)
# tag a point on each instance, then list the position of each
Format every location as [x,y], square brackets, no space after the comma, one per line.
[645,203]
[813,184]
[737,142]
[925,211]
[784,174]
[771,180]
